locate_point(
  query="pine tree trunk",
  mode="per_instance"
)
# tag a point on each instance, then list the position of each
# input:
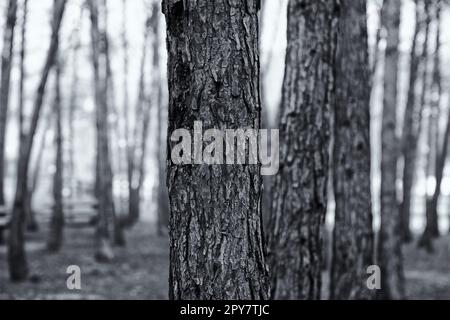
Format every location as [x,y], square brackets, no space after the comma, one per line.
[409,134]
[55,237]
[300,188]
[435,165]
[18,267]
[104,172]
[5,73]
[216,240]
[353,234]
[389,246]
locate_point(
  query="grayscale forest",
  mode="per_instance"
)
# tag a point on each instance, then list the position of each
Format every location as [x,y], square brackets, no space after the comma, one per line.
[96,97]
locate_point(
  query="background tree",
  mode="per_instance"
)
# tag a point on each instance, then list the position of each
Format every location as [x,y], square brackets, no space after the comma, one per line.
[16,247]
[353,235]
[389,245]
[410,124]
[216,249]
[106,214]
[300,188]
[55,236]
[6,65]
[434,164]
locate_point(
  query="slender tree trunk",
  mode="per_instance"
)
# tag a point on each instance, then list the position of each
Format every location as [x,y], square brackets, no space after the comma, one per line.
[216,239]
[31,223]
[409,134]
[389,250]
[6,65]
[300,188]
[353,234]
[104,174]
[16,247]
[435,165]
[141,112]
[55,237]
[153,101]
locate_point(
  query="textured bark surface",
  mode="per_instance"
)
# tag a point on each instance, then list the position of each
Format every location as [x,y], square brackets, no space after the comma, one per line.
[389,246]
[55,236]
[300,188]
[104,175]
[5,72]
[18,268]
[409,133]
[216,240]
[353,235]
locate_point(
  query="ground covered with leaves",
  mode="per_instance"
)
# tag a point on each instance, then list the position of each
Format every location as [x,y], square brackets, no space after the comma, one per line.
[140,270]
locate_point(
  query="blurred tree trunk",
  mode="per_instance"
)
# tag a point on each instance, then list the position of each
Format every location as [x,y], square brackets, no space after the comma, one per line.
[435,160]
[55,237]
[410,133]
[73,105]
[216,249]
[6,66]
[31,223]
[300,188]
[18,267]
[353,234]
[161,135]
[104,174]
[143,110]
[389,245]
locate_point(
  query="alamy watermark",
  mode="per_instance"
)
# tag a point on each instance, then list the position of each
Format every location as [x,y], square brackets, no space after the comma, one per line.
[226,147]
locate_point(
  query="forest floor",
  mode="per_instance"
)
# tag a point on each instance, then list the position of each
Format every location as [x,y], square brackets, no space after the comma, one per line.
[140,270]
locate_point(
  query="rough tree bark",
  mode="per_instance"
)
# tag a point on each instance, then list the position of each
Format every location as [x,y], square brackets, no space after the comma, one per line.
[6,65]
[216,239]
[300,188]
[104,171]
[353,234]
[55,237]
[435,166]
[409,133]
[389,245]
[18,268]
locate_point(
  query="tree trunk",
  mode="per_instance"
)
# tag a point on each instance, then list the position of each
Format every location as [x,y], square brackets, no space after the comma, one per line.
[6,65]
[55,237]
[435,166]
[31,223]
[409,134]
[216,239]
[353,234]
[16,247]
[104,172]
[389,250]
[300,188]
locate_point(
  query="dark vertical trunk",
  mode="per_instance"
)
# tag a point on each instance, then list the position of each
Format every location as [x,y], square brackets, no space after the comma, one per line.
[31,223]
[5,72]
[55,237]
[300,188]
[353,234]
[16,247]
[409,133]
[435,165]
[389,245]
[216,240]
[104,172]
